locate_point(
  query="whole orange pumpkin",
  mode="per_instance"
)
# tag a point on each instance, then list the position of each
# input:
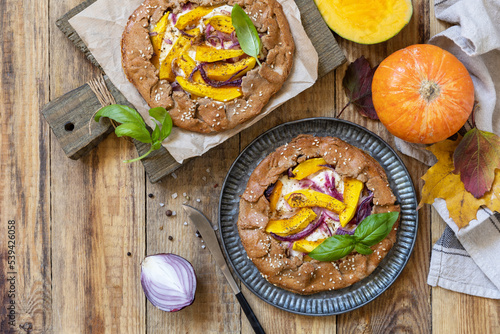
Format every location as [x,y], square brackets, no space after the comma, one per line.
[422,94]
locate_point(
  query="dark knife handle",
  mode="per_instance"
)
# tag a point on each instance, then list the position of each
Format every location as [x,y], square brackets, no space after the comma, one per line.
[250,315]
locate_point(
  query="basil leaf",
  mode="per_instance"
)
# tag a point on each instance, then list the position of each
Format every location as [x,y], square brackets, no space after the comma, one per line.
[166,127]
[375,228]
[156,134]
[135,131]
[362,249]
[247,34]
[334,248]
[120,114]
[158,113]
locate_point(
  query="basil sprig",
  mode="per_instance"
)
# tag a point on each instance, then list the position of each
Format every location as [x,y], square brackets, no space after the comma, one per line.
[246,32]
[132,125]
[372,230]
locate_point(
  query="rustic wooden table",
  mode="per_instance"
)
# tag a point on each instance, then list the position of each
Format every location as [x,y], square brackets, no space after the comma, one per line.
[83,227]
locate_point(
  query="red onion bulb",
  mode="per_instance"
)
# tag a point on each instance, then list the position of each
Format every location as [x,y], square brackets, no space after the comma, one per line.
[168,281]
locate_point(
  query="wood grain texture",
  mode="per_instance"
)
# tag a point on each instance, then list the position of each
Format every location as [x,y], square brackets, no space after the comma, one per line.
[69,116]
[99,217]
[215,309]
[24,168]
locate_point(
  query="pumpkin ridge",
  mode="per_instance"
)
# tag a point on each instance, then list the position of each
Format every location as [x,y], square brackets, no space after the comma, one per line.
[404,75]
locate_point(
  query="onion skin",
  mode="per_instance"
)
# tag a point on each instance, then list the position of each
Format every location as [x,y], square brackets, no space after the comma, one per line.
[168,281]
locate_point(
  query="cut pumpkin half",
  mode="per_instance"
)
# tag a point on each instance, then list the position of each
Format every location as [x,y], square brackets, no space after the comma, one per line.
[366,21]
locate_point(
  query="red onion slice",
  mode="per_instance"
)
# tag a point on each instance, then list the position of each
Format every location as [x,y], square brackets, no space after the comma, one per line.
[153,33]
[168,281]
[302,234]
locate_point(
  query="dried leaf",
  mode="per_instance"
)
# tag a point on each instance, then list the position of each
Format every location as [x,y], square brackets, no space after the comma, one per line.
[441,182]
[357,85]
[476,158]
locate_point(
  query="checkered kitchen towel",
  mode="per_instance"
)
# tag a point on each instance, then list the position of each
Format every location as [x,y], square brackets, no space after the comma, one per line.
[468,260]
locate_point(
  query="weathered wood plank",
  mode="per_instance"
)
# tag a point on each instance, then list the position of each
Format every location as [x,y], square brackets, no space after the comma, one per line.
[329,53]
[66,28]
[215,309]
[25,266]
[69,116]
[98,217]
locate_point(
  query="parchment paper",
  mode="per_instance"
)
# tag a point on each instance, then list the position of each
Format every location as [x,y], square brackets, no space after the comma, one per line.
[101,26]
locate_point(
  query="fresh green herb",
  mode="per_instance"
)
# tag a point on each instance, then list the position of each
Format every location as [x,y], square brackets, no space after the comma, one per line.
[370,231]
[246,33]
[132,125]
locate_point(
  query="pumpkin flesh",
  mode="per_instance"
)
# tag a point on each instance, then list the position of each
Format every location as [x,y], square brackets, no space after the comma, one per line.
[366,21]
[422,94]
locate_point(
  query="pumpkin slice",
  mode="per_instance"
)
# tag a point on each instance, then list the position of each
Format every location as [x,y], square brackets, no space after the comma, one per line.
[221,23]
[208,54]
[308,167]
[222,71]
[295,224]
[199,89]
[310,198]
[352,190]
[306,246]
[157,40]
[181,45]
[275,195]
[192,17]
[187,65]
[366,21]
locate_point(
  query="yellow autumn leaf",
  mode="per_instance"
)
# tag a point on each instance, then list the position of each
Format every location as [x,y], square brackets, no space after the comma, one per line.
[441,182]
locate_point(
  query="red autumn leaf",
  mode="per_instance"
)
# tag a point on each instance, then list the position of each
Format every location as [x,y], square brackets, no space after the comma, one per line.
[357,85]
[476,158]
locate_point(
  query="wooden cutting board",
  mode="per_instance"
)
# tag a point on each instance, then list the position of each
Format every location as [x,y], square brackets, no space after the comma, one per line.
[69,115]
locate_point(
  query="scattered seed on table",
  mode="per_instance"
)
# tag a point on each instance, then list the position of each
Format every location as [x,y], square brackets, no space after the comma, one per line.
[198,234]
[169,213]
[170,238]
[151,195]
[174,213]
[174,195]
[185,223]
[216,185]
[129,254]
[198,200]
[161,228]
[203,246]
[162,204]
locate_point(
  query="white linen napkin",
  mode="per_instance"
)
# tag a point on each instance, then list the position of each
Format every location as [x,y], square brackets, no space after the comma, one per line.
[467,260]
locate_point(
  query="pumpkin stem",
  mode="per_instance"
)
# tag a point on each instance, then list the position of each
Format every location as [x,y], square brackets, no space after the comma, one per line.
[429,90]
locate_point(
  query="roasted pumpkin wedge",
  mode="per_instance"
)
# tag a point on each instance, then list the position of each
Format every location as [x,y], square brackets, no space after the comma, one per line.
[157,40]
[308,167]
[181,45]
[192,17]
[221,23]
[310,198]
[199,89]
[222,71]
[352,191]
[275,195]
[209,54]
[187,65]
[306,246]
[295,224]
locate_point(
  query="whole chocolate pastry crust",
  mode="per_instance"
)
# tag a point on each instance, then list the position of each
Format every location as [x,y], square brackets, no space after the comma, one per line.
[205,115]
[273,260]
